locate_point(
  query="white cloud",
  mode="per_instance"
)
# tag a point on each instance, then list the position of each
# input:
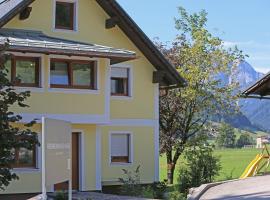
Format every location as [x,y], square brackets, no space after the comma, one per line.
[229,44]
[262,69]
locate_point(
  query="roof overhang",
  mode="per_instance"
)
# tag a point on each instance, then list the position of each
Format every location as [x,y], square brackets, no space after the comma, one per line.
[259,90]
[171,77]
[37,42]
[143,43]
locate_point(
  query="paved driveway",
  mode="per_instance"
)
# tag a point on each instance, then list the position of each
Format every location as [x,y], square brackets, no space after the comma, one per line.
[255,188]
[93,196]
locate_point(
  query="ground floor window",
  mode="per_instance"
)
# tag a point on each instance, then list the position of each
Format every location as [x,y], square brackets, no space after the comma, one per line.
[120,148]
[24,158]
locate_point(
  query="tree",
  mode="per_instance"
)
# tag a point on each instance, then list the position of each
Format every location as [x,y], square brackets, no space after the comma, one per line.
[201,167]
[226,136]
[202,60]
[11,137]
[243,140]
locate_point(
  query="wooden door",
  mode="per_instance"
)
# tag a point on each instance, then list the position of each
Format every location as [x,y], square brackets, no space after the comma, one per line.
[75,166]
[75,161]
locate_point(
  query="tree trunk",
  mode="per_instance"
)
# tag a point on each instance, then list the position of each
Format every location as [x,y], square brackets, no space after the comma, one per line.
[170,172]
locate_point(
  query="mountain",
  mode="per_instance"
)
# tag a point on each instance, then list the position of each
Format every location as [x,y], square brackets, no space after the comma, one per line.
[256,111]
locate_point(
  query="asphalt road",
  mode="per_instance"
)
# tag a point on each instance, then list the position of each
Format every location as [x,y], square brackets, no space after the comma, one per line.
[255,188]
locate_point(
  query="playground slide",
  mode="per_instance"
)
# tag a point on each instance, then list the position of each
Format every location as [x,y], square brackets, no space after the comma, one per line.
[250,170]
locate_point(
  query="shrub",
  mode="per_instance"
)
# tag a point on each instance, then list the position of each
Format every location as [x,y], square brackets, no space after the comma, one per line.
[201,167]
[61,195]
[131,182]
[131,186]
[176,196]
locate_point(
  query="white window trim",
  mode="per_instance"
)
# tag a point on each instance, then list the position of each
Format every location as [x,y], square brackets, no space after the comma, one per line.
[38,160]
[71,90]
[131,150]
[76,21]
[41,72]
[130,82]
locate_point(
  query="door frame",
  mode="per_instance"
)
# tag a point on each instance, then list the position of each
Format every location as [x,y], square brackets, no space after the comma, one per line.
[81,158]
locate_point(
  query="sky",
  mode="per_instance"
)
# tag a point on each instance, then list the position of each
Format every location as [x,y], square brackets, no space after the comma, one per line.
[244,23]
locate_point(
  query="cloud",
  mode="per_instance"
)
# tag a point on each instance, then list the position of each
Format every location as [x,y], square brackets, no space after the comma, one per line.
[229,44]
[262,69]
[248,45]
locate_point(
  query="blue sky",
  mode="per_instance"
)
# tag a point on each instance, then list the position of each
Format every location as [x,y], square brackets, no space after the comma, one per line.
[244,23]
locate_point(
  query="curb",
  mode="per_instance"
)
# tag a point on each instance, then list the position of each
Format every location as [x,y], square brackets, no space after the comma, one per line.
[196,193]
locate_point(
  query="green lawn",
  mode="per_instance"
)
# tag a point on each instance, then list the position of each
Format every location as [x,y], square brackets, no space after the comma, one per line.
[233,162]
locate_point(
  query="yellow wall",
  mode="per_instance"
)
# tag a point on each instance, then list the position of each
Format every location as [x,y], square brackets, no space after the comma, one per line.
[143,154]
[91,29]
[48,101]
[30,179]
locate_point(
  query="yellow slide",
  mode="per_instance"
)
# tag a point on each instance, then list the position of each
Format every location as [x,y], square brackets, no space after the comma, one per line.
[251,169]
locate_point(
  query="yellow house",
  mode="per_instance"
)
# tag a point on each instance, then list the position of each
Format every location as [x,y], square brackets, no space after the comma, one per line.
[87,62]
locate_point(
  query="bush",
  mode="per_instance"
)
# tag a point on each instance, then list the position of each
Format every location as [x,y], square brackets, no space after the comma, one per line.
[201,167]
[131,182]
[61,195]
[131,186]
[176,196]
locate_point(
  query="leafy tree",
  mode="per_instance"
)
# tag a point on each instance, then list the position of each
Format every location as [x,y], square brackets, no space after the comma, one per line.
[226,136]
[11,137]
[243,140]
[201,167]
[202,60]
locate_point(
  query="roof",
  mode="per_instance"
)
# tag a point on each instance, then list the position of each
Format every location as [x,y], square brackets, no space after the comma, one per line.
[38,42]
[10,8]
[170,76]
[261,89]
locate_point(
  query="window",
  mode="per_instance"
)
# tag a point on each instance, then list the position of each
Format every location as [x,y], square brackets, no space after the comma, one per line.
[120,148]
[120,81]
[24,158]
[23,71]
[65,15]
[73,74]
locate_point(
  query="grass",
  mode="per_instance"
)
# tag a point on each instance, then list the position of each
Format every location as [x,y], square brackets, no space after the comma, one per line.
[233,163]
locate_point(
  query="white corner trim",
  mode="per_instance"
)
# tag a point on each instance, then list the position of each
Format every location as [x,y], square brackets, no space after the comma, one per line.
[98,159]
[156,133]
[76,25]
[130,82]
[107,90]
[131,150]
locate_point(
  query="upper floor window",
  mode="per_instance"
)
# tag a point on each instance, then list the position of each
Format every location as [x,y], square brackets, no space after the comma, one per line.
[73,74]
[24,71]
[120,81]
[65,15]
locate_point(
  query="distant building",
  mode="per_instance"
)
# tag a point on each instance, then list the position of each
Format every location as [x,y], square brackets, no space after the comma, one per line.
[261,141]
